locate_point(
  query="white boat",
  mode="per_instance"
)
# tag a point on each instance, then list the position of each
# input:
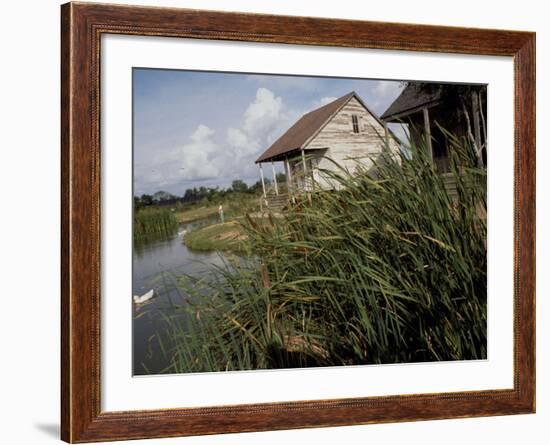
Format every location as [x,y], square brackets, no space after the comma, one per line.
[145,297]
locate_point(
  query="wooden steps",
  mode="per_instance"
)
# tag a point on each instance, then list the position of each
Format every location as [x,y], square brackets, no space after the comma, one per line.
[276,202]
[450,185]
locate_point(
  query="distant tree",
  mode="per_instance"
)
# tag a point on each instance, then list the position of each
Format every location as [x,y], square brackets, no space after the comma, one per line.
[146,200]
[256,188]
[238,185]
[281,178]
[162,196]
[212,194]
[188,196]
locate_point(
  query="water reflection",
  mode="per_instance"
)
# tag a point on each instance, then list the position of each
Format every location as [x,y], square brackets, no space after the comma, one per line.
[156,265]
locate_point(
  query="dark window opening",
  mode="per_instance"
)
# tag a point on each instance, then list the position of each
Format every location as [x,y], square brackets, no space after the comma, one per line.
[355,123]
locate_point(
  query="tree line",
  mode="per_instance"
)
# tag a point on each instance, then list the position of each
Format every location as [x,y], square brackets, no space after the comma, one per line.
[198,194]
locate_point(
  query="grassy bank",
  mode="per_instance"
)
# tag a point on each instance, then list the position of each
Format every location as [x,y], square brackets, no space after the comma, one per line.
[195,213]
[225,237]
[389,269]
[234,205]
[153,223]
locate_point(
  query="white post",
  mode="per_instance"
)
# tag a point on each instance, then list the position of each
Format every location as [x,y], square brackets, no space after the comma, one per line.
[304,165]
[305,173]
[262,178]
[288,177]
[428,132]
[274,178]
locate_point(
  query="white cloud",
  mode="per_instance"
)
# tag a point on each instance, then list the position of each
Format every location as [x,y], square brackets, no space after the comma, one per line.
[231,155]
[217,157]
[265,119]
[323,101]
[237,138]
[262,114]
[195,160]
[198,156]
[383,87]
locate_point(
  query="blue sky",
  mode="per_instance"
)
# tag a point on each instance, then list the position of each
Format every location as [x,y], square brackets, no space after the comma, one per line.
[195,129]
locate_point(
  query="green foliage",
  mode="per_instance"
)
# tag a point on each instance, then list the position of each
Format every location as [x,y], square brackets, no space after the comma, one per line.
[238,185]
[153,223]
[213,194]
[281,178]
[388,269]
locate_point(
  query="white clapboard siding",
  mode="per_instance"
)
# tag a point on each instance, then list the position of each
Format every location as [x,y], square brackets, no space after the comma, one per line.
[345,147]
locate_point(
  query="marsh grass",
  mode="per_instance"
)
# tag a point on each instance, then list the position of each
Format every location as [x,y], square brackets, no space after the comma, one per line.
[153,223]
[388,269]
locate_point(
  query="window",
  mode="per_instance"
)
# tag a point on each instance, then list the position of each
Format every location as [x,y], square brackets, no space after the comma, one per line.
[355,123]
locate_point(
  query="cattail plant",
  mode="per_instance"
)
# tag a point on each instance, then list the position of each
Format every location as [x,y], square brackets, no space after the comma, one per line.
[153,223]
[391,267]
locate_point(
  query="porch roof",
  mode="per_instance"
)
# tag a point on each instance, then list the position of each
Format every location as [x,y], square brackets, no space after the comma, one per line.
[411,99]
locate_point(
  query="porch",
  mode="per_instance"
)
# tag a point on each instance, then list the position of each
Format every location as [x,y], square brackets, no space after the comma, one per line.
[301,178]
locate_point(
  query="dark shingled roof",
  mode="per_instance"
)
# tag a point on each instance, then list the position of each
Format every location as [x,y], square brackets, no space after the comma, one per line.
[297,135]
[410,99]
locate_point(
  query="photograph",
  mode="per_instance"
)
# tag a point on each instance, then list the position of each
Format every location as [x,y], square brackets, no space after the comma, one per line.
[285,221]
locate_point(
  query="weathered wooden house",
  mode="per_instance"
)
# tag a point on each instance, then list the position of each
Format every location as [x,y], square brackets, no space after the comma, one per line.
[429,110]
[342,134]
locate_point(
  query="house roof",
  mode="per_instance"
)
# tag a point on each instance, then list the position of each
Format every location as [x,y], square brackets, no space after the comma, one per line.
[304,128]
[410,100]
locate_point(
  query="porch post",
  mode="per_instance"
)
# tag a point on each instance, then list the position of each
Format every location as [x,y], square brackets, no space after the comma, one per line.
[304,165]
[262,178]
[428,133]
[475,114]
[274,178]
[305,173]
[288,177]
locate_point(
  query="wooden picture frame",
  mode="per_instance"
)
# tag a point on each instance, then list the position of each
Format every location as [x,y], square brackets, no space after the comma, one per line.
[82,26]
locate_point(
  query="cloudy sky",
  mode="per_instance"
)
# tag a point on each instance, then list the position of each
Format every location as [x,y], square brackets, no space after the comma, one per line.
[195,129]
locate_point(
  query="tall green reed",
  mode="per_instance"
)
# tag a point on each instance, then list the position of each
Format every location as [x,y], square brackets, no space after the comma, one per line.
[388,268]
[153,223]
